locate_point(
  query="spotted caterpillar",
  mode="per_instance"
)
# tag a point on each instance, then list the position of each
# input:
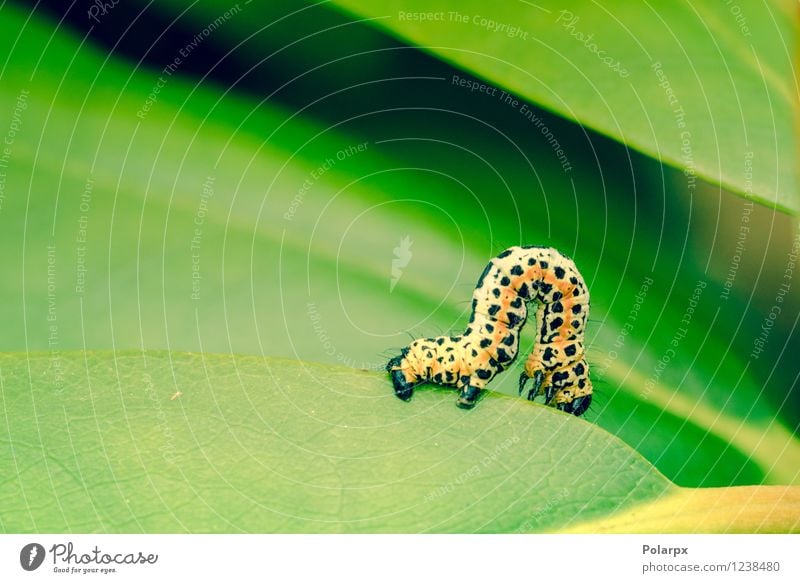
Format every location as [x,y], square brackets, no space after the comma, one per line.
[557,363]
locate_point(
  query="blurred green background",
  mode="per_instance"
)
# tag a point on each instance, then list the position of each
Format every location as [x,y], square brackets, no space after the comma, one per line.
[251,201]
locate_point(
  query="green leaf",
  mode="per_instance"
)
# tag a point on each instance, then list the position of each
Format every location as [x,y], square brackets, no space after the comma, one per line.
[317,285]
[705,86]
[170,442]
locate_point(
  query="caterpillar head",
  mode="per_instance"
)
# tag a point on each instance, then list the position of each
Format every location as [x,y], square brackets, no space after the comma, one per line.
[402,388]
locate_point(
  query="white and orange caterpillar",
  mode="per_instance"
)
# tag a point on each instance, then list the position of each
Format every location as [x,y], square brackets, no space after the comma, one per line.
[557,363]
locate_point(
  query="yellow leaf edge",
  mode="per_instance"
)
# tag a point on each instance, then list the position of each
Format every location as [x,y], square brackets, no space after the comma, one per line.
[734,510]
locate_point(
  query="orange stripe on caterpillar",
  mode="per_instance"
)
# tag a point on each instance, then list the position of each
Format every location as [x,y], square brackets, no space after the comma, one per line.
[490,343]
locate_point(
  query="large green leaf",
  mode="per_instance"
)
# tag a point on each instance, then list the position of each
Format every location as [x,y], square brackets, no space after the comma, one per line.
[172,442]
[317,284]
[166,442]
[706,86]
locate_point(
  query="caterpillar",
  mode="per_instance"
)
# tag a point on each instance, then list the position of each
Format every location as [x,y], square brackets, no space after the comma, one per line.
[556,364]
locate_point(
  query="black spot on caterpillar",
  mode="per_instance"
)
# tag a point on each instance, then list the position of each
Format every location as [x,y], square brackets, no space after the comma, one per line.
[556,364]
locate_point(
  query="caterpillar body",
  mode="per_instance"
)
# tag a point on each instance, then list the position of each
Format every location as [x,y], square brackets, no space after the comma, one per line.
[557,363]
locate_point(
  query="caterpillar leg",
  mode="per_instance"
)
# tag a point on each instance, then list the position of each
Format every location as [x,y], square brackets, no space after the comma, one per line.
[573,388]
[468,396]
[549,392]
[523,379]
[577,406]
[471,387]
[538,381]
[402,388]
[568,388]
